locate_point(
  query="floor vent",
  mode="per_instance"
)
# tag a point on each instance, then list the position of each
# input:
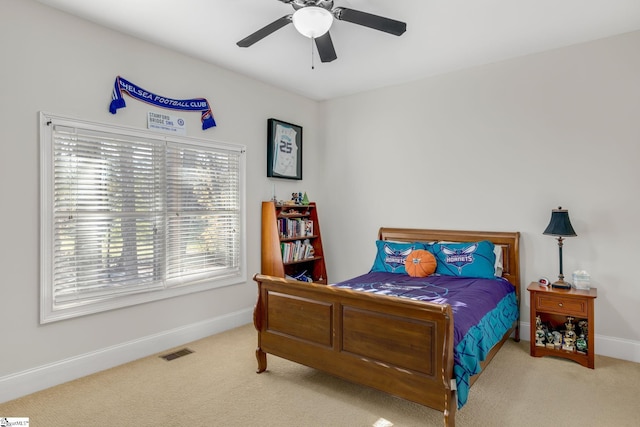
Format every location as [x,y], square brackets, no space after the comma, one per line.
[176,354]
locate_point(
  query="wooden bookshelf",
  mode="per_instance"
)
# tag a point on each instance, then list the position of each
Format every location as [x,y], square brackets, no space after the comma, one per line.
[292,242]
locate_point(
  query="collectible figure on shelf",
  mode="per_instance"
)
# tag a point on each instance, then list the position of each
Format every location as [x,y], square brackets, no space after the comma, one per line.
[581,344]
[296,198]
[569,335]
[305,199]
[540,335]
[557,340]
[550,339]
[583,326]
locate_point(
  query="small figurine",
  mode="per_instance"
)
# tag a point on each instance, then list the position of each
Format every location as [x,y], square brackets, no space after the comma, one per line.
[569,335]
[557,340]
[540,335]
[581,344]
[583,325]
[296,198]
[305,199]
[550,339]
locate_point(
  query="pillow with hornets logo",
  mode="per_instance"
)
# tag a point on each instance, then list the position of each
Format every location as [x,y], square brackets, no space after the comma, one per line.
[390,256]
[471,259]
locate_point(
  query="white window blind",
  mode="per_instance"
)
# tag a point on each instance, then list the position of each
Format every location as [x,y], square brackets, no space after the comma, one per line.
[132,216]
[203,206]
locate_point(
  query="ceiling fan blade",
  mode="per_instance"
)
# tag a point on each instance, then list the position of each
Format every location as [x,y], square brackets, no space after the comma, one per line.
[325,48]
[376,22]
[265,31]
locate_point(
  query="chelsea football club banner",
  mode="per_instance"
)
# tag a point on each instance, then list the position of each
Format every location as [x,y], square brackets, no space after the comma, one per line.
[196,104]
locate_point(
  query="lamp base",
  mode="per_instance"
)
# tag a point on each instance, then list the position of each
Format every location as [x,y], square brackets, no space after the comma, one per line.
[561,284]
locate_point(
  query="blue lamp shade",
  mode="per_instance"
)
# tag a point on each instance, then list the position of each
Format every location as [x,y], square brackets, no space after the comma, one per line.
[560,225]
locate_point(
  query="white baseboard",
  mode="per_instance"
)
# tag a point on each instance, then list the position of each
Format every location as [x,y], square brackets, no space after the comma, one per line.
[617,348]
[26,382]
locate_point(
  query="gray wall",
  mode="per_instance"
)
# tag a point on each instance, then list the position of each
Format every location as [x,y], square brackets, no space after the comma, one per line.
[497,148]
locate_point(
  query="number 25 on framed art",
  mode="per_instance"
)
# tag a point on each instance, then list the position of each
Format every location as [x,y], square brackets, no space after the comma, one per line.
[284,150]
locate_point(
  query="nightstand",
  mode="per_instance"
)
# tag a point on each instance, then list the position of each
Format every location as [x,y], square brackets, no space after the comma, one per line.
[557,308]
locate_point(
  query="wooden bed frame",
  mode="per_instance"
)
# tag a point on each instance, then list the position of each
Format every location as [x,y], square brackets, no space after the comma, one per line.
[400,346]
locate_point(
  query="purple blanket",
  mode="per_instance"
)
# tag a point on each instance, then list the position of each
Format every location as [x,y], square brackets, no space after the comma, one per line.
[470,299]
[483,310]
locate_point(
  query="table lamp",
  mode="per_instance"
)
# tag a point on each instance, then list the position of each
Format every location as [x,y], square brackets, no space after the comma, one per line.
[560,226]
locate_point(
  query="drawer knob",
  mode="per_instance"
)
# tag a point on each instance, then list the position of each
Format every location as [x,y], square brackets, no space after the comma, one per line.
[560,304]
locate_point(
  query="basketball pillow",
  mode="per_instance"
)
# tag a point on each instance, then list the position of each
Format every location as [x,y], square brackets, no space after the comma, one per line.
[420,263]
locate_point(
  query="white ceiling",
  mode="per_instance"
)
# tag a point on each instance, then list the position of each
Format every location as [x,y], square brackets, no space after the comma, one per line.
[442,36]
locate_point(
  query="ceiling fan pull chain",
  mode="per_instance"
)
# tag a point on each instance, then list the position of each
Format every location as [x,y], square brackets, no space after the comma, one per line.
[313,67]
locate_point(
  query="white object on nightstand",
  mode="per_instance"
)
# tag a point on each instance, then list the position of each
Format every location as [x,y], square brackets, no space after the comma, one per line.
[581,279]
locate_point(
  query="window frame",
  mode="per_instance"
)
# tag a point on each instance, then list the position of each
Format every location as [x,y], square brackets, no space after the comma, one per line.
[170,288]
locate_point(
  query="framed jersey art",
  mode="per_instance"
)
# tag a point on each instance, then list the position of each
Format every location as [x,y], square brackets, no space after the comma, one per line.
[284,150]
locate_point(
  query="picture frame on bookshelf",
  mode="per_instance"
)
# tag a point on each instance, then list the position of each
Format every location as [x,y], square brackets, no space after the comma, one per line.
[284,150]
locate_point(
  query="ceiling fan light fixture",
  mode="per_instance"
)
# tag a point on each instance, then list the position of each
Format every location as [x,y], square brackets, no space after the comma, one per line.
[312,21]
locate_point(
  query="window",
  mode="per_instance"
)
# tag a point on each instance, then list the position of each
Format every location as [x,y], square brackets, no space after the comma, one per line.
[130,216]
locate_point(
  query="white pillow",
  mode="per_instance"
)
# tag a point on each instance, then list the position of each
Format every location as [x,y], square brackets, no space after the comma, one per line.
[497,250]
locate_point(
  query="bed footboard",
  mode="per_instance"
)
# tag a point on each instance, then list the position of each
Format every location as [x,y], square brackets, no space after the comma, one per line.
[399,346]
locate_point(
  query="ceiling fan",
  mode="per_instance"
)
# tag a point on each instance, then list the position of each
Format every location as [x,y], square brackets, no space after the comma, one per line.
[313,18]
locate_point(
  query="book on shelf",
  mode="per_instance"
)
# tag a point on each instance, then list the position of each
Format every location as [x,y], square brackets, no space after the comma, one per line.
[296,251]
[290,228]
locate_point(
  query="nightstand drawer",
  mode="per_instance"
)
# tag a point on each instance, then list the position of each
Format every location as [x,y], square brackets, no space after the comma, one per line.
[560,305]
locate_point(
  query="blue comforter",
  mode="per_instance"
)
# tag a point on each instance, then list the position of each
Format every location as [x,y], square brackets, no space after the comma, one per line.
[483,310]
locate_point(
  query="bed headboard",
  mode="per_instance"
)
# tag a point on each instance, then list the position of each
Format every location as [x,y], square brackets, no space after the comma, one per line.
[509,241]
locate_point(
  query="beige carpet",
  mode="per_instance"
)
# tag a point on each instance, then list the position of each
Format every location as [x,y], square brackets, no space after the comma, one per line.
[217,386]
